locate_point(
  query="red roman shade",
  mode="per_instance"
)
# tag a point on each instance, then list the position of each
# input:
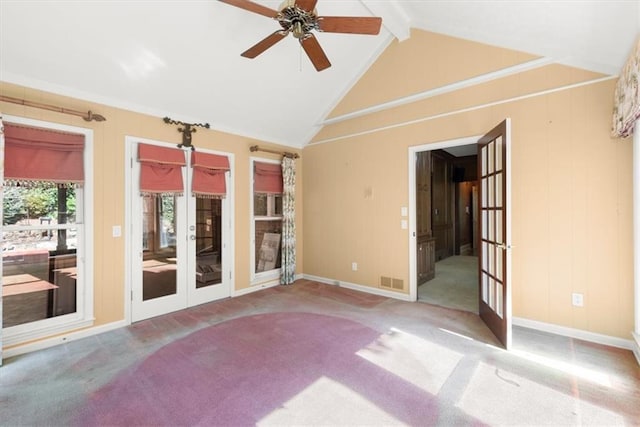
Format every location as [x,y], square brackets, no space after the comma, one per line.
[42,155]
[209,175]
[160,169]
[267,178]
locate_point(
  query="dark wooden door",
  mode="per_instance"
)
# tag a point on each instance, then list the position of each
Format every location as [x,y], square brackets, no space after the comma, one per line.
[442,203]
[495,293]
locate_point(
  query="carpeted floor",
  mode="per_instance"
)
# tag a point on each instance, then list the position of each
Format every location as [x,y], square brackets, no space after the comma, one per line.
[314,354]
[455,284]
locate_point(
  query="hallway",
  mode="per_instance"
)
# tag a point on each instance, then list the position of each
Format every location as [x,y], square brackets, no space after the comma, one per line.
[455,285]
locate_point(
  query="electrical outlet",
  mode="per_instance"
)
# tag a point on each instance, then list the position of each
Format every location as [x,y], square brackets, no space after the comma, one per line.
[577,300]
[354,266]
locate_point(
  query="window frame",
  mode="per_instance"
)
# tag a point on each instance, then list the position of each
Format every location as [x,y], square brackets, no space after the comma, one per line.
[264,276]
[84,314]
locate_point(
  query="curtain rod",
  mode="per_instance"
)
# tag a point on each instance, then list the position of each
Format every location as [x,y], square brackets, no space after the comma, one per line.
[282,153]
[88,116]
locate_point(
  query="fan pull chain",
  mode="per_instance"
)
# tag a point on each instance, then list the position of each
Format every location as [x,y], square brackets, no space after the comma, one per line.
[300,58]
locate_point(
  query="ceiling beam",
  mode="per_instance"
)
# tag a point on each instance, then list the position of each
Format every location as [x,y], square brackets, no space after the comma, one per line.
[393,16]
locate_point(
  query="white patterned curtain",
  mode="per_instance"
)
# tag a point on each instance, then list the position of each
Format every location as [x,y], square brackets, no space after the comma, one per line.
[1,215]
[288,266]
[626,109]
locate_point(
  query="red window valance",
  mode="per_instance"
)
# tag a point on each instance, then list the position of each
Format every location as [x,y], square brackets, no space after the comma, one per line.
[267,178]
[160,169]
[36,155]
[209,175]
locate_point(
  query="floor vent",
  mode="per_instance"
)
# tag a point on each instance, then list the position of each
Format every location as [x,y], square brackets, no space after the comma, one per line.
[391,283]
[385,282]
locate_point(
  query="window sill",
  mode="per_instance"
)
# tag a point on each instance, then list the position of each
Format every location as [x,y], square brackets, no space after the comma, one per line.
[265,276]
[21,334]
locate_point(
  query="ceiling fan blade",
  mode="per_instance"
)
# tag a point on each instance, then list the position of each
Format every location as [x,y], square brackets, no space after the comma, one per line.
[315,53]
[264,44]
[307,5]
[252,7]
[350,24]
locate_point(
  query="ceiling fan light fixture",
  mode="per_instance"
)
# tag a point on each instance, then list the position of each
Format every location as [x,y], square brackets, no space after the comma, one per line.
[298,31]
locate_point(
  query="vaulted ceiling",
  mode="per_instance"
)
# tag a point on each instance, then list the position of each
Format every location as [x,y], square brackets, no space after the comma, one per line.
[182,58]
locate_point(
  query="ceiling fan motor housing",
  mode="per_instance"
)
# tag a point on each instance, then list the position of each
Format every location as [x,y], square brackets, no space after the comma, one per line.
[299,21]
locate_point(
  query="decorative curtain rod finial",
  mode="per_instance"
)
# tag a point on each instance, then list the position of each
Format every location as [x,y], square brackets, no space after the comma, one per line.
[91,116]
[186,131]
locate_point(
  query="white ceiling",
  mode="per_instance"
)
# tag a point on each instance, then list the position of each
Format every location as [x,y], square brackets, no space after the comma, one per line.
[182,58]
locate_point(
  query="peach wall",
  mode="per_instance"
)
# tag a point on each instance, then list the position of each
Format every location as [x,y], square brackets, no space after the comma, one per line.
[571,190]
[109,181]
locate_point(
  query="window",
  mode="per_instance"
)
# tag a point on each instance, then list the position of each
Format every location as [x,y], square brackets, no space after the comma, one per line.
[45,230]
[266,220]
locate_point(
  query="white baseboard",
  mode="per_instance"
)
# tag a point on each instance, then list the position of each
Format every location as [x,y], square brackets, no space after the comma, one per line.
[574,333]
[636,346]
[61,339]
[361,288]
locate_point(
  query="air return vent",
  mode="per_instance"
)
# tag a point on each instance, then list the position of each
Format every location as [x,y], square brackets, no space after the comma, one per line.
[391,283]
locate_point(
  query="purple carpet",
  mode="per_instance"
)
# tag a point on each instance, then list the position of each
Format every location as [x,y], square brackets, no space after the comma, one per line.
[243,371]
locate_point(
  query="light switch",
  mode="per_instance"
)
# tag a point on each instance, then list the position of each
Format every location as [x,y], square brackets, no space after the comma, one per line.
[404,211]
[404,224]
[116,231]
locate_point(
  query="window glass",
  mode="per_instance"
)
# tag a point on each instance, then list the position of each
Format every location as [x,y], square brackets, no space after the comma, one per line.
[267,213]
[39,246]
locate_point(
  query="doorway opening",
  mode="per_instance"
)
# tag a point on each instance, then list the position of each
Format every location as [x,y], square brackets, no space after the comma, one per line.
[493,176]
[447,226]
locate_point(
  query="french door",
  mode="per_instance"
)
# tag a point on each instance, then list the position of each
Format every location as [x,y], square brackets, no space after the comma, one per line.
[494,261]
[180,247]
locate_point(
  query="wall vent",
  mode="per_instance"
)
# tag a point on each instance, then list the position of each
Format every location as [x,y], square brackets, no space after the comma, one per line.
[391,283]
[385,282]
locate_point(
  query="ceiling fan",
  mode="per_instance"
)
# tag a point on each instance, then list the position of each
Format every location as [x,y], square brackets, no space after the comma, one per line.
[299,17]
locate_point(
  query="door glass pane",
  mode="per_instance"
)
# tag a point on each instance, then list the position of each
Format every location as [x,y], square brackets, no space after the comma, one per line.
[499,226]
[483,155]
[491,191]
[499,299]
[159,269]
[499,258]
[485,288]
[485,224]
[491,253]
[485,190]
[499,153]
[491,155]
[492,293]
[498,178]
[208,242]
[39,262]
[485,256]
[492,228]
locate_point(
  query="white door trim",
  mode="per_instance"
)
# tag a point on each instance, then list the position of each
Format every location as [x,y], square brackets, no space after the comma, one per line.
[228,237]
[413,280]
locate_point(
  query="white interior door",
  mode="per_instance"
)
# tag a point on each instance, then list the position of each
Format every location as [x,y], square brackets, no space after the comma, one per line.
[179,245]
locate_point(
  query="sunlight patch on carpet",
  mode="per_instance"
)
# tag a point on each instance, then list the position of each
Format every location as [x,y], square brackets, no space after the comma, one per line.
[422,363]
[568,368]
[333,403]
[490,388]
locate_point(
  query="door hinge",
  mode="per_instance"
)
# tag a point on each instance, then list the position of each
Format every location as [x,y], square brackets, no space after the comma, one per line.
[131,295]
